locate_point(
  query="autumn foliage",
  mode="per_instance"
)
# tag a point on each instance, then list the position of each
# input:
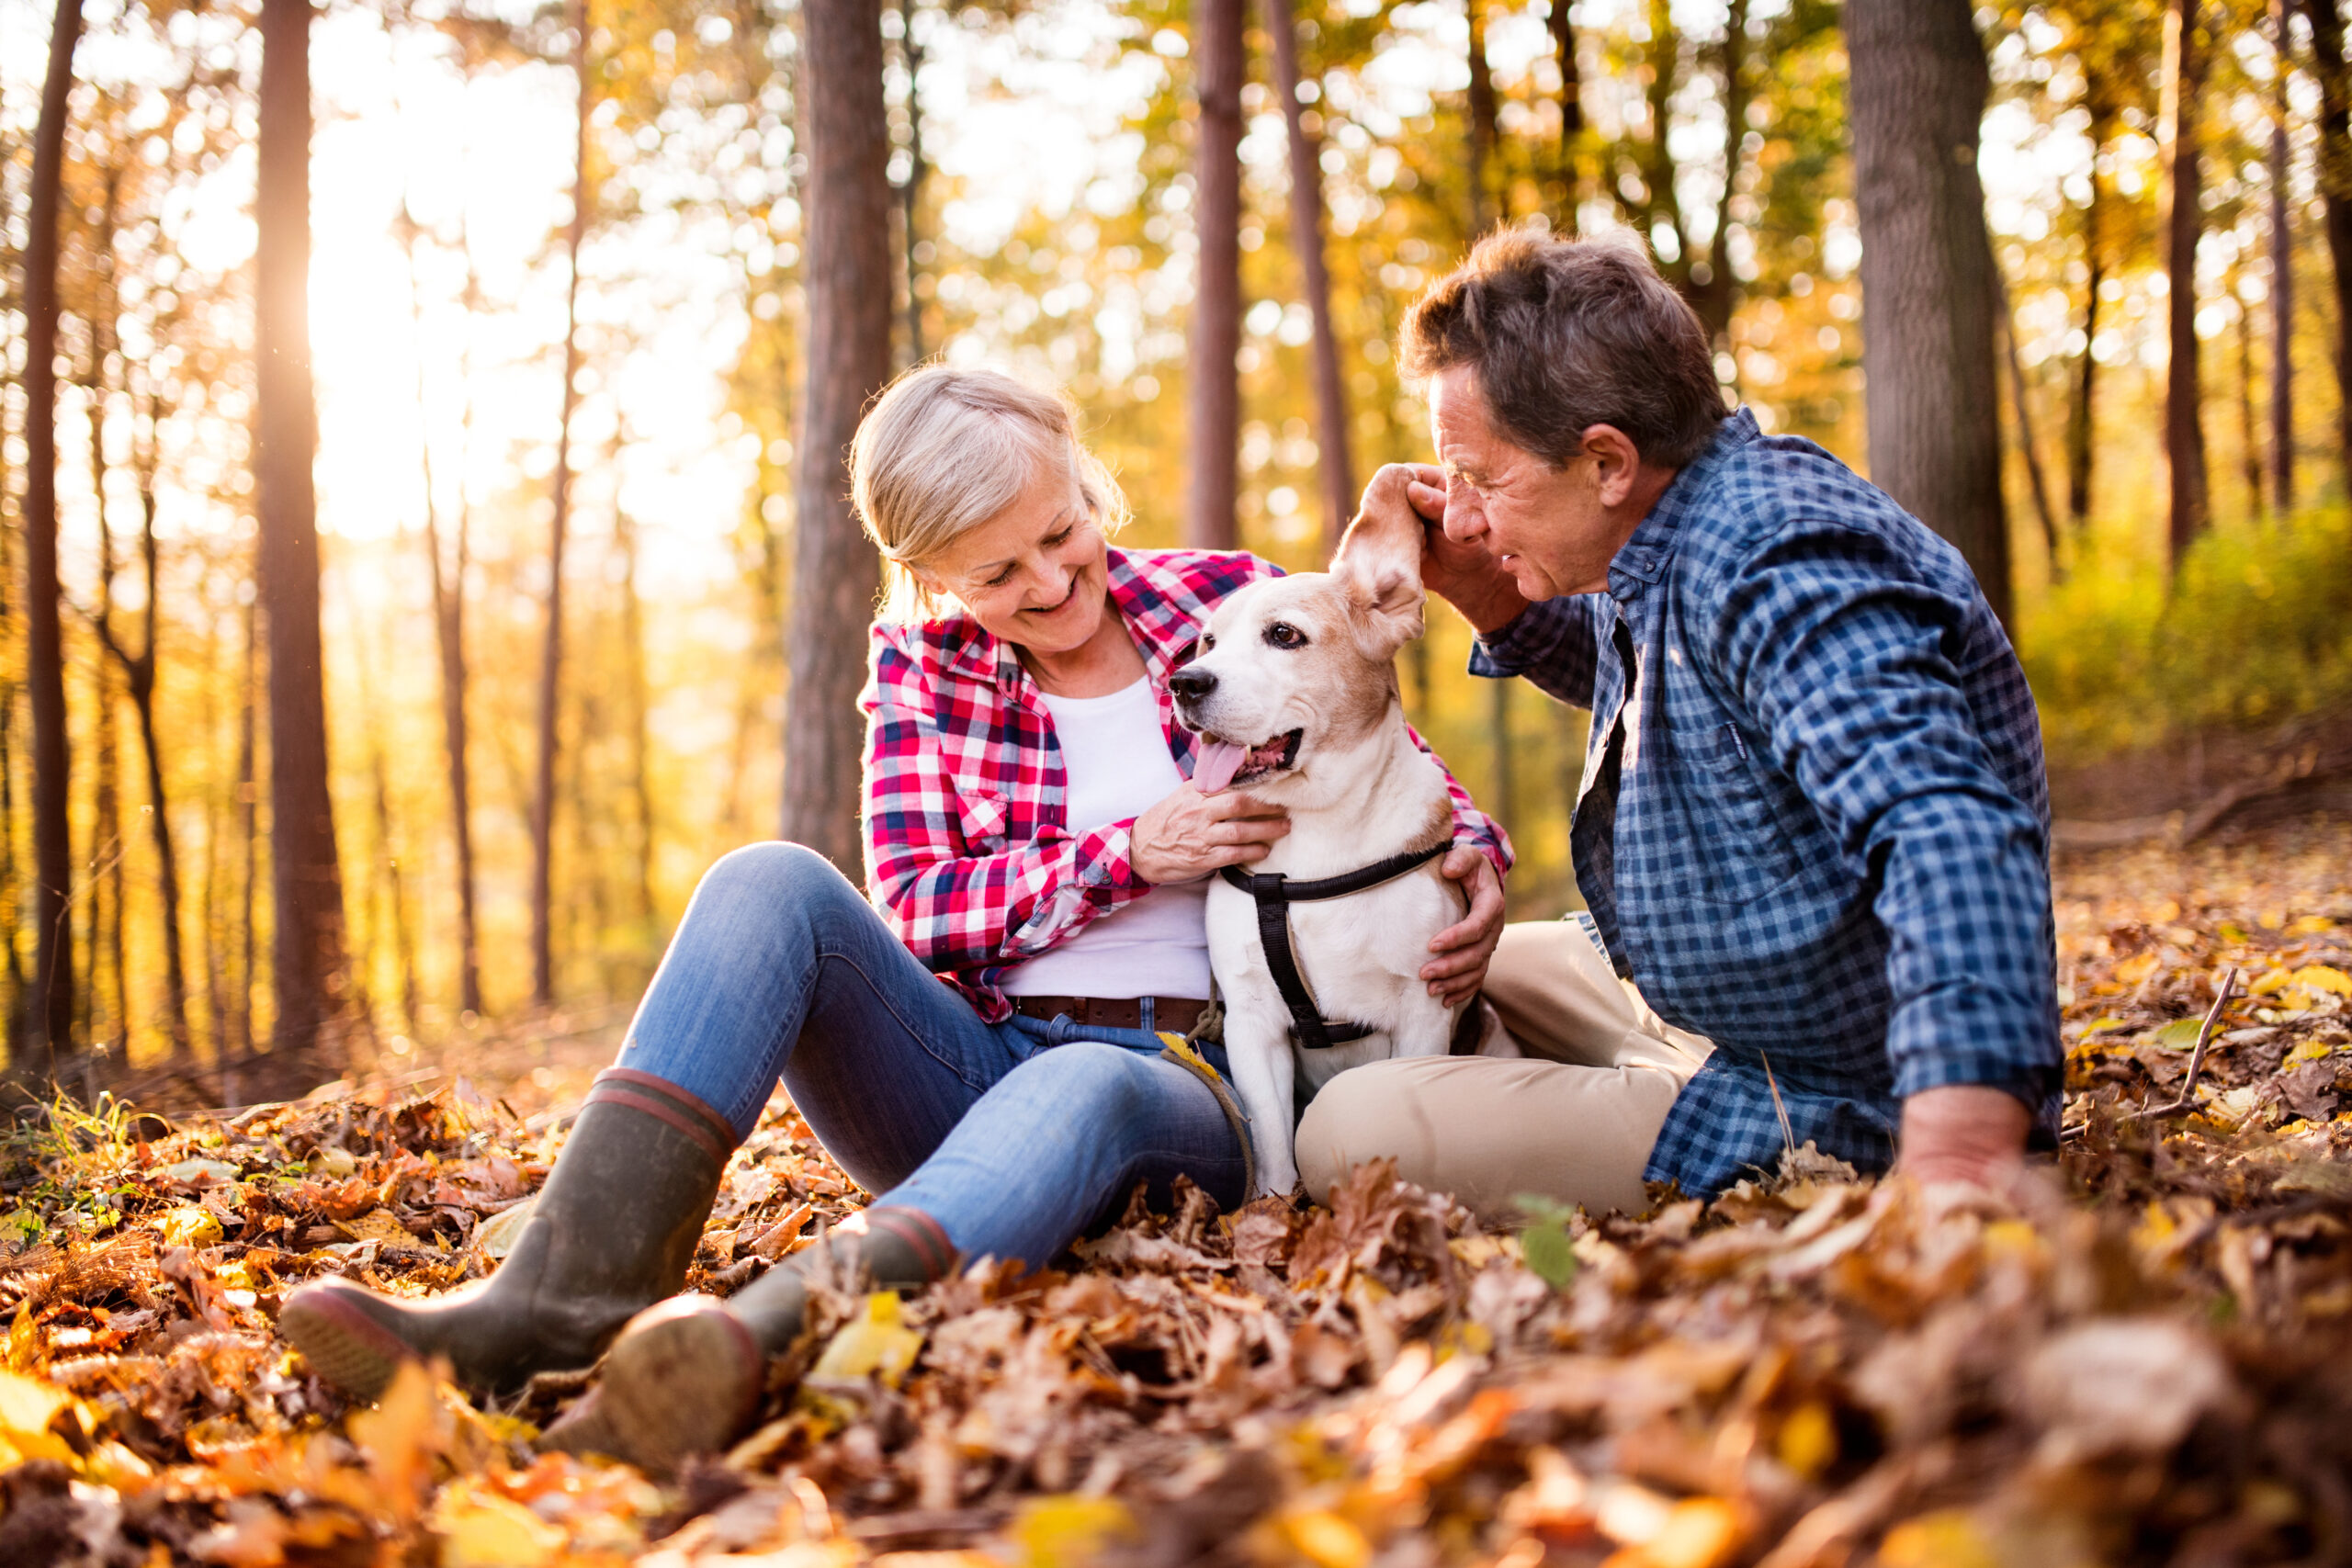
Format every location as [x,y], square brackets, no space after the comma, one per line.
[2142,1357]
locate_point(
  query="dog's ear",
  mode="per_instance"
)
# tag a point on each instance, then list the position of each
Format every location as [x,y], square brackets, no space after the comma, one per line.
[1379,568]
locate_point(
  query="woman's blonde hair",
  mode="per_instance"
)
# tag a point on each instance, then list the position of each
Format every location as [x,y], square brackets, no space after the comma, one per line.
[942,450]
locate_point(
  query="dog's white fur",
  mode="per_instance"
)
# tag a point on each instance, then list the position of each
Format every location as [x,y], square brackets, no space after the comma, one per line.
[1358,791]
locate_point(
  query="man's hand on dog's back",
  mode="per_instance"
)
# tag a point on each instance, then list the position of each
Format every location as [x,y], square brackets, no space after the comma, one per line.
[1188,835]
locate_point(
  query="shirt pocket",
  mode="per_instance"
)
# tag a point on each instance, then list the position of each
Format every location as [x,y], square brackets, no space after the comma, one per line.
[1735,847]
[981,815]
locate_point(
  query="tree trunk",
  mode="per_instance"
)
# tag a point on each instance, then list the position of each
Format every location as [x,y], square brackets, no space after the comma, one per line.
[2079,445]
[1480,105]
[1209,520]
[2027,444]
[106,847]
[1713,290]
[52,1042]
[2282,293]
[1307,240]
[138,679]
[1564,51]
[449,585]
[11,889]
[237,1060]
[306,880]
[2249,425]
[910,190]
[834,568]
[640,742]
[2336,187]
[551,655]
[1501,798]
[1918,86]
[2190,506]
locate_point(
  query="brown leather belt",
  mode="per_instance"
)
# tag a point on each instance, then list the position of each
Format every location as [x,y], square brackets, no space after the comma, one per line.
[1175,1015]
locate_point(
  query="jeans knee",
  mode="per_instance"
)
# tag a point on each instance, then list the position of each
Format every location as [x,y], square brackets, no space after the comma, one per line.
[775,874]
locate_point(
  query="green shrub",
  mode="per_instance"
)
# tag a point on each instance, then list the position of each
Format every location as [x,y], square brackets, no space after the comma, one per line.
[2256,630]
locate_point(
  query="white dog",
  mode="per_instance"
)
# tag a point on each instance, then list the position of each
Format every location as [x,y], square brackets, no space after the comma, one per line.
[1293,696]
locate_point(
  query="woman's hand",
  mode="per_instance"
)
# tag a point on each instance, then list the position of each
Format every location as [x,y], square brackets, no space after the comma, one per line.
[1463,948]
[1189,834]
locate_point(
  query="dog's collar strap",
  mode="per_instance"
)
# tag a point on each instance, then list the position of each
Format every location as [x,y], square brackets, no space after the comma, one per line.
[1276,894]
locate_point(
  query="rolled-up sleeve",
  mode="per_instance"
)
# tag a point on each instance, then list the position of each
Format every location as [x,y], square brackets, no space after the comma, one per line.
[1851,658]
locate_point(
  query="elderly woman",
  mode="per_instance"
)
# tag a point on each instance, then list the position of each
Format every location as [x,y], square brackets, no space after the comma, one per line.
[981,1048]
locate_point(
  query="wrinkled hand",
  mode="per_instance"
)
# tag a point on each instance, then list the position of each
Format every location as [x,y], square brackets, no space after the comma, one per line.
[1189,834]
[1462,573]
[1966,1135]
[1465,947]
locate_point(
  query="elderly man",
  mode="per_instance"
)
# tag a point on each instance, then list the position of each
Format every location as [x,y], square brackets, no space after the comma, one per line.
[1813,831]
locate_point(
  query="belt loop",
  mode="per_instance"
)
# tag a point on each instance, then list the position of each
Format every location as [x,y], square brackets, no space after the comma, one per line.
[1150,1006]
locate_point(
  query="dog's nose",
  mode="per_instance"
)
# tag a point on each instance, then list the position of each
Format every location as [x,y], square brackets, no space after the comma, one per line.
[1191,684]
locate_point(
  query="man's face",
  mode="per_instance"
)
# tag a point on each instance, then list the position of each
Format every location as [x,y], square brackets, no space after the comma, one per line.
[1547,526]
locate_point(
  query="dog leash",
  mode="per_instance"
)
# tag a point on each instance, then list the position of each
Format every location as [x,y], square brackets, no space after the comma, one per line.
[1276,894]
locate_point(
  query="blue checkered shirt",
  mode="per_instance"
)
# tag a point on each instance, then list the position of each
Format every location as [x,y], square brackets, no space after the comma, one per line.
[1816,830]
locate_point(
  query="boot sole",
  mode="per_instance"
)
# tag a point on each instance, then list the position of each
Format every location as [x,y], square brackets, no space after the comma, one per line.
[684,1377]
[345,1346]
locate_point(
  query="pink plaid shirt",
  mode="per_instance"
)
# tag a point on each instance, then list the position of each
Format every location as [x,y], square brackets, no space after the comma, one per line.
[967,852]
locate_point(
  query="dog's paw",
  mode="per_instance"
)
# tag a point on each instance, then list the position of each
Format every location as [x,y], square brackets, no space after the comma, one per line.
[1276,1181]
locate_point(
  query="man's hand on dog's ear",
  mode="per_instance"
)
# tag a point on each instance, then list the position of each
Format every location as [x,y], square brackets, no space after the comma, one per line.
[1463,575]
[1463,948]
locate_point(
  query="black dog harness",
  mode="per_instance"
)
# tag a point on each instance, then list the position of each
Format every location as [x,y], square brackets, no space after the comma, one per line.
[1276,894]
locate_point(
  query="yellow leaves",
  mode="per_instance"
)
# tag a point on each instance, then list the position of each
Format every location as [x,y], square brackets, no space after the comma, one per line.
[401,1435]
[482,1529]
[2323,977]
[190,1226]
[1947,1539]
[2311,925]
[2134,970]
[1808,1442]
[376,1226]
[878,1342]
[27,1405]
[1697,1532]
[496,1236]
[1069,1532]
[1323,1537]
[35,1419]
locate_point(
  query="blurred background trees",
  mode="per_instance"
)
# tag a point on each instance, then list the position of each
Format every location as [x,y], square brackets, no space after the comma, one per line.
[426,535]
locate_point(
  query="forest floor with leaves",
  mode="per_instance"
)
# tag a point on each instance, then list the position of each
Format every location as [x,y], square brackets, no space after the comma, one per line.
[2145,1357]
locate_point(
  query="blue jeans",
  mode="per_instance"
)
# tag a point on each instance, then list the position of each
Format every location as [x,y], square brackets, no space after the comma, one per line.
[1015,1136]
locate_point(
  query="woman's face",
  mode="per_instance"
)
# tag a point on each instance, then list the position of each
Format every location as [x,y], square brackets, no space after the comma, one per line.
[1035,574]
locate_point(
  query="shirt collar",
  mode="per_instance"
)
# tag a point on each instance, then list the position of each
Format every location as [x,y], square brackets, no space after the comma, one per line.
[981,654]
[1641,559]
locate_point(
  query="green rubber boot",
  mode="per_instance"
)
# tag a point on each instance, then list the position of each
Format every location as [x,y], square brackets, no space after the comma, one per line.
[614,1229]
[686,1375]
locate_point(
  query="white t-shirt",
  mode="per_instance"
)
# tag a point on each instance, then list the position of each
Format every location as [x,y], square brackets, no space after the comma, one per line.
[1115,766]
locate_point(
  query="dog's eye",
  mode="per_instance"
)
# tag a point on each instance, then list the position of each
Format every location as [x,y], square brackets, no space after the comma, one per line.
[1208,641]
[1281,634]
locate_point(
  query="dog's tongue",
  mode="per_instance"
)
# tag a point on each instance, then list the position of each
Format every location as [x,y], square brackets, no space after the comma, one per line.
[1218,761]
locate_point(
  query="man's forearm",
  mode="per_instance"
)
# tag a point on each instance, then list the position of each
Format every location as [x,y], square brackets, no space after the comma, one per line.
[1963,1133]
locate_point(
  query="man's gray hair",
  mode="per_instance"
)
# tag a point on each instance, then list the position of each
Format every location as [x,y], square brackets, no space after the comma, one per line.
[1570,333]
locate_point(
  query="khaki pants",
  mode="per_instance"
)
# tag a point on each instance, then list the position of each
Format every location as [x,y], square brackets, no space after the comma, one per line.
[1573,1119]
